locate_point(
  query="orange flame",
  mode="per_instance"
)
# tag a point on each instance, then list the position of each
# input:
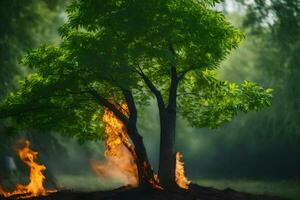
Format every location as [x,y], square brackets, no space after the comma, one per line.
[35,187]
[120,156]
[181,179]
[119,152]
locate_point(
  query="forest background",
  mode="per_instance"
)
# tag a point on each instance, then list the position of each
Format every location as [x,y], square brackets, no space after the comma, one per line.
[258,152]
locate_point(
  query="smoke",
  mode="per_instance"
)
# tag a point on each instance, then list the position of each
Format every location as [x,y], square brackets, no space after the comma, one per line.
[121,168]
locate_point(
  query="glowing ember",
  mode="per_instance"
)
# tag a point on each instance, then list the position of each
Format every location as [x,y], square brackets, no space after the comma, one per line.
[119,153]
[181,180]
[35,186]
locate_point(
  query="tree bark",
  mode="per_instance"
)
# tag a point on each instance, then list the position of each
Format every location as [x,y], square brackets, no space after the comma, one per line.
[167,157]
[145,172]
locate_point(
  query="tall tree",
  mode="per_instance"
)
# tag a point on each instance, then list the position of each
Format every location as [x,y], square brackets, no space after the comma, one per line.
[123,51]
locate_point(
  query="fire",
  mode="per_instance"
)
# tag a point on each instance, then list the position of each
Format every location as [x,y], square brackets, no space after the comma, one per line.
[181,179]
[120,156]
[35,186]
[119,152]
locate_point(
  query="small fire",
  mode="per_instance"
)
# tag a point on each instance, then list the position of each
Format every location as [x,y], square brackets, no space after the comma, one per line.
[35,186]
[181,179]
[120,157]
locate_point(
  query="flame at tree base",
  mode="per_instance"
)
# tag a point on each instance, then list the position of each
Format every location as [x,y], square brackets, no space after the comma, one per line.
[35,187]
[120,155]
[121,159]
[181,179]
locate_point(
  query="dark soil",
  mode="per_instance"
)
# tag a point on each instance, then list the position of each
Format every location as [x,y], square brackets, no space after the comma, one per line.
[195,192]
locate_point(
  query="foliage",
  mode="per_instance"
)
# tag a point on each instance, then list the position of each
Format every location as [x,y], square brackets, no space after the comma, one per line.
[264,144]
[276,26]
[23,26]
[219,101]
[110,46]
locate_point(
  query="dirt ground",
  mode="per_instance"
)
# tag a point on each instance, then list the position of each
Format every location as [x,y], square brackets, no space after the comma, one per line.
[195,192]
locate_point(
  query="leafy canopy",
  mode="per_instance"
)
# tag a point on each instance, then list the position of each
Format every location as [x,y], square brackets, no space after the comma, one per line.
[23,25]
[106,44]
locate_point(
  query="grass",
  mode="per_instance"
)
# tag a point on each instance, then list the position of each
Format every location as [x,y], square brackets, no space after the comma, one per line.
[85,183]
[284,188]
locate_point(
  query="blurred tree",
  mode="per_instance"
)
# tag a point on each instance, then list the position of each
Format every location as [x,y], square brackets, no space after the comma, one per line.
[122,51]
[264,144]
[23,25]
[277,23]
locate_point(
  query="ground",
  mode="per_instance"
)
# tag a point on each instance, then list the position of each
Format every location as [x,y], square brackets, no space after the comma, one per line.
[288,188]
[195,192]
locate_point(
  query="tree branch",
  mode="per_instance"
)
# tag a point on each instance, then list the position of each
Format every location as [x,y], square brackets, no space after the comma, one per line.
[153,89]
[104,102]
[131,105]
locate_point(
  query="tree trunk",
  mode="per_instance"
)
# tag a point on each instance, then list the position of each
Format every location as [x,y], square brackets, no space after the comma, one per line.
[167,157]
[145,172]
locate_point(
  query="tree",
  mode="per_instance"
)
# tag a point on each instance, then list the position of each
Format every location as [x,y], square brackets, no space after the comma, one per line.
[277,23]
[22,26]
[128,51]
